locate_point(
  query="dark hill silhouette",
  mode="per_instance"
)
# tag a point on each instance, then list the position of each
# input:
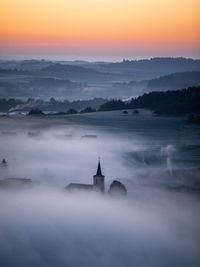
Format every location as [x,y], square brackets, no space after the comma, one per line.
[68,68]
[172,81]
[86,74]
[147,69]
[86,80]
[171,102]
[53,83]
[175,80]
[166,63]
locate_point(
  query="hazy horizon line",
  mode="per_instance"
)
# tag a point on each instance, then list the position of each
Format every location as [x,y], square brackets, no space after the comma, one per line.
[91,59]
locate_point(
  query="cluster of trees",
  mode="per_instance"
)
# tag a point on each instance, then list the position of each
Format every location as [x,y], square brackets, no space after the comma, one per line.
[70,111]
[113,105]
[170,102]
[49,105]
[35,112]
[85,110]
[6,104]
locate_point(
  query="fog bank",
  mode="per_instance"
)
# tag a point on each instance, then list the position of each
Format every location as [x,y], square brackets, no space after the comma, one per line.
[43,227]
[157,224]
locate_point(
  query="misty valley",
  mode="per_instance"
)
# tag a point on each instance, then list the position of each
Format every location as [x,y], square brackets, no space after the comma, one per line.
[99,133]
[100,163]
[85,80]
[155,157]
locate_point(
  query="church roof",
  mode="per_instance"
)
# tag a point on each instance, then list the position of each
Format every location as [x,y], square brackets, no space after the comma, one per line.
[74,186]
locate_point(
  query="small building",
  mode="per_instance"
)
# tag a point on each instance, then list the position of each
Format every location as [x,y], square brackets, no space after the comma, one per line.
[74,186]
[116,188]
[98,183]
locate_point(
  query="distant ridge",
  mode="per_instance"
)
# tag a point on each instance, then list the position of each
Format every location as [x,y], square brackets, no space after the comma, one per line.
[86,80]
[57,67]
[175,80]
[159,66]
[157,61]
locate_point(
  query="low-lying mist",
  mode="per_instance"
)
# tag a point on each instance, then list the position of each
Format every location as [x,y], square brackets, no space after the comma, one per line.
[44,227]
[59,155]
[157,224]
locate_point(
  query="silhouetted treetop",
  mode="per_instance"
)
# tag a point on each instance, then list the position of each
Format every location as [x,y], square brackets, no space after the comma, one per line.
[113,105]
[169,102]
[35,112]
[71,111]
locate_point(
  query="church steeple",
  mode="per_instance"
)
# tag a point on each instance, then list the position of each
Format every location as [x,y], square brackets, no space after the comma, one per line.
[98,179]
[99,173]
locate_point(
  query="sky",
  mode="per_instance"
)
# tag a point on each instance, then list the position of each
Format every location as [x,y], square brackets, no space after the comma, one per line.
[91,29]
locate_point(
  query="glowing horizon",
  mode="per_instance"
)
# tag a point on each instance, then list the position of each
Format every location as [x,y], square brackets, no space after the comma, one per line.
[100,28]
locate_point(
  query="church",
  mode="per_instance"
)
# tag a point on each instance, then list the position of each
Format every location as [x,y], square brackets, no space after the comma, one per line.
[116,188]
[98,182]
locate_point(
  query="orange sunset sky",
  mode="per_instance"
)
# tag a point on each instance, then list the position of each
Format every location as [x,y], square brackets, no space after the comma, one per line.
[99,28]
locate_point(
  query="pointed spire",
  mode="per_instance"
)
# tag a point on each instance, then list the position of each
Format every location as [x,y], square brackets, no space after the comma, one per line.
[99,169]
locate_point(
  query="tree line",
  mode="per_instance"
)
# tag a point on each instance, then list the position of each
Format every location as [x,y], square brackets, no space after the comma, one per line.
[169,102]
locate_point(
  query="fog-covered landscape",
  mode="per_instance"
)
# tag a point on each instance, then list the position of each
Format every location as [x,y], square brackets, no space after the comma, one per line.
[99,133]
[138,121]
[85,80]
[100,163]
[155,157]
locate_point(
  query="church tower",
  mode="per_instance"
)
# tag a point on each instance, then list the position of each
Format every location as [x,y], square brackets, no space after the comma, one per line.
[98,179]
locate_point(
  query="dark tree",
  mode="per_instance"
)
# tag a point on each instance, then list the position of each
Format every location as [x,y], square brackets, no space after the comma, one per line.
[36,112]
[88,110]
[135,111]
[71,111]
[112,105]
